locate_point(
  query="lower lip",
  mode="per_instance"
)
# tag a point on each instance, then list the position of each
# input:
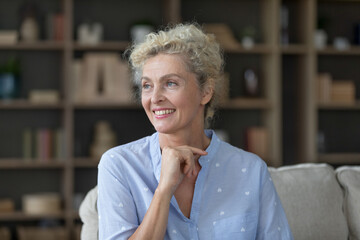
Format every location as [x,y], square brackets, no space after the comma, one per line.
[163,116]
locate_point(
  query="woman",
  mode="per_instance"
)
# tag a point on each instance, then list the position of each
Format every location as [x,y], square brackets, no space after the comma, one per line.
[183,182]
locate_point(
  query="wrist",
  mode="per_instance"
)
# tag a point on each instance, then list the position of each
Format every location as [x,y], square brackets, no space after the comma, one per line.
[165,192]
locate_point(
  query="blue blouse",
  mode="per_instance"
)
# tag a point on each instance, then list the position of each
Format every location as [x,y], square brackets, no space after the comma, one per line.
[234,196]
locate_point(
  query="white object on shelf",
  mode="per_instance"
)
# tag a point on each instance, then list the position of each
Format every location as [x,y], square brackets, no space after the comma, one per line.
[320,39]
[90,33]
[341,43]
[41,203]
[139,32]
[8,36]
[29,30]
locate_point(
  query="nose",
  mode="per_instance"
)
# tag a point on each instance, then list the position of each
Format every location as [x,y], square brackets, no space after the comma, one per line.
[157,95]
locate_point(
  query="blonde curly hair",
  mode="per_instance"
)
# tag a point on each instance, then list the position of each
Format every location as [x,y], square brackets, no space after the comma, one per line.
[201,53]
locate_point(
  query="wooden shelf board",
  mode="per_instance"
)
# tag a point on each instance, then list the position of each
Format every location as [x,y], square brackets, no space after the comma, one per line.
[353,50]
[21,216]
[256,49]
[26,104]
[39,45]
[294,49]
[340,158]
[85,163]
[339,106]
[16,163]
[246,103]
[106,45]
[109,105]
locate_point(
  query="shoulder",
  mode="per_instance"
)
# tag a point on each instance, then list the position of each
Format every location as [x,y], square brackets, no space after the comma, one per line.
[239,156]
[127,154]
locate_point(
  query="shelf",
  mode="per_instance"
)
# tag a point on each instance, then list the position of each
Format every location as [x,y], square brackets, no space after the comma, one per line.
[107,105]
[256,49]
[106,46]
[38,46]
[339,106]
[246,103]
[16,163]
[20,216]
[85,163]
[26,104]
[353,50]
[294,49]
[340,158]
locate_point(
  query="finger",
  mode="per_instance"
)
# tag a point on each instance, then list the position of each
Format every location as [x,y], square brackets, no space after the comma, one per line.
[197,151]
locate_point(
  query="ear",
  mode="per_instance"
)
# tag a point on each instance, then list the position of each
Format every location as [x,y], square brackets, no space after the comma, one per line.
[207,94]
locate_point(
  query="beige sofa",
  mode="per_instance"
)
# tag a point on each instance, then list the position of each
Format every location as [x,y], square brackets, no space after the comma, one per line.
[320,202]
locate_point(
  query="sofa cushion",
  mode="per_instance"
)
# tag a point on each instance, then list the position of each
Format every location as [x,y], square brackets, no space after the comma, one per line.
[313,201]
[349,178]
[89,216]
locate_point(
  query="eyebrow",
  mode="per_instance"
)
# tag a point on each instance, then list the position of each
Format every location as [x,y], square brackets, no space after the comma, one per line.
[164,77]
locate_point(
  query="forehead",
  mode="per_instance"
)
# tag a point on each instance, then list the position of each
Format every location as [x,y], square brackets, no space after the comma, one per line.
[164,64]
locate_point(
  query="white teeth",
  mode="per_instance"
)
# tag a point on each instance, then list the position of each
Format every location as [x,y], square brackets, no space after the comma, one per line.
[162,112]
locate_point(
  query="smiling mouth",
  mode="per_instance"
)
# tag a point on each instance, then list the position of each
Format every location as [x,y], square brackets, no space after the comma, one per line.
[164,112]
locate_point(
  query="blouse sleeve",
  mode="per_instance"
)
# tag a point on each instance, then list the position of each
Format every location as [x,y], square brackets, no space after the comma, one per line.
[272,219]
[116,208]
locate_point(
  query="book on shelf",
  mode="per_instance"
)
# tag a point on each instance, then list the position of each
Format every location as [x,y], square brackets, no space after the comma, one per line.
[101,77]
[43,144]
[55,26]
[256,141]
[335,91]
[343,91]
[324,81]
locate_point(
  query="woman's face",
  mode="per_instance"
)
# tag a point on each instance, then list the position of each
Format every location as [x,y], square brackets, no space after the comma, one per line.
[171,96]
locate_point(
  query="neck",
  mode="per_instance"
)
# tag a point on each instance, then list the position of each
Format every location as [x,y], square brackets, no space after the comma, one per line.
[198,139]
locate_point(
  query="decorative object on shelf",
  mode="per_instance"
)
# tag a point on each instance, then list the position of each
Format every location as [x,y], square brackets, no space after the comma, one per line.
[223,34]
[284,25]
[90,33]
[41,233]
[10,79]
[251,83]
[29,27]
[47,96]
[41,203]
[248,37]
[357,34]
[6,205]
[104,139]
[222,134]
[257,141]
[341,43]
[320,35]
[102,77]
[8,37]
[29,30]
[139,30]
[320,39]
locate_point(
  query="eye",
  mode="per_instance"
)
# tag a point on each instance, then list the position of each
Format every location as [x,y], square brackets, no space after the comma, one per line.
[171,84]
[146,86]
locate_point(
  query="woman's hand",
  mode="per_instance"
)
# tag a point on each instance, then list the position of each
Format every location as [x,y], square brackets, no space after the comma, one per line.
[176,162]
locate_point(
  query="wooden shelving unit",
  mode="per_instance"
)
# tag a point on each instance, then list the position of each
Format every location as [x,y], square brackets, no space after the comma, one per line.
[48,64]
